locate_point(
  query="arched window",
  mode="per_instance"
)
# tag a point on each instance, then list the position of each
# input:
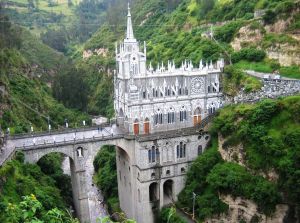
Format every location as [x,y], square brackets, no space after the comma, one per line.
[153,155]
[171,116]
[197,116]
[199,150]
[179,91]
[152,175]
[182,114]
[212,108]
[139,195]
[158,117]
[181,150]
[80,152]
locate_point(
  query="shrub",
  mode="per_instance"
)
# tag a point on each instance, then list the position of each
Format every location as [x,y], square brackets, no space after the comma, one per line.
[250,54]
[269,17]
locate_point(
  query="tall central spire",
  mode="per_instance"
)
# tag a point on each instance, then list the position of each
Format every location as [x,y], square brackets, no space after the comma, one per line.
[129,34]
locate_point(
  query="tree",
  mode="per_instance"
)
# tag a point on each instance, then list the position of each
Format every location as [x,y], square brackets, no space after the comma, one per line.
[70,3]
[31,210]
[70,88]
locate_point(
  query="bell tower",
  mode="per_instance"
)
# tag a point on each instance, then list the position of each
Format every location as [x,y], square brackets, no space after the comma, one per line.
[130,61]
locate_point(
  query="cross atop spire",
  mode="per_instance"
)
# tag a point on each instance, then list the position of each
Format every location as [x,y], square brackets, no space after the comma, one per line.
[129,34]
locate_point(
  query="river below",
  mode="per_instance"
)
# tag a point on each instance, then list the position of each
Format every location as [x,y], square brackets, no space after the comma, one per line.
[97,206]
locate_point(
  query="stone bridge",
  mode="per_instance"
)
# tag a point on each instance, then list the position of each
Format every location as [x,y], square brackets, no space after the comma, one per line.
[142,186]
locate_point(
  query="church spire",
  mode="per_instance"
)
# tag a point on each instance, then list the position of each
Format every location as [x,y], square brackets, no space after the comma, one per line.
[129,34]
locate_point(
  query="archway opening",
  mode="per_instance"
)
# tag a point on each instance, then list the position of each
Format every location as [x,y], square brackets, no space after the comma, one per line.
[58,167]
[136,127]
[153,192]
[197,116]
[147,126]
[168,192]
[112,180]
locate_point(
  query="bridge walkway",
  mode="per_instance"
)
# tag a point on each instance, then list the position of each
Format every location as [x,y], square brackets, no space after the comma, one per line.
[24,142]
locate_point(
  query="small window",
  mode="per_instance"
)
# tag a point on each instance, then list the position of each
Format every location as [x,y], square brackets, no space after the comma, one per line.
[152,175]
[168,172]
[139,195]
[200,150]
[182,170]
[181,150]
[206,138]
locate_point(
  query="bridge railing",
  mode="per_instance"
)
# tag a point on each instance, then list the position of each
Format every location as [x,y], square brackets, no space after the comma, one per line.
[76,140]
[60,131]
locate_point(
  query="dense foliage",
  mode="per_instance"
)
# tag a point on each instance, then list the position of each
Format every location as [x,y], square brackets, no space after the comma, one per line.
[234,79]
[106,176]
[269,131]
[18,181]
[26,100]
[169,215]
[270,134]
[31,210]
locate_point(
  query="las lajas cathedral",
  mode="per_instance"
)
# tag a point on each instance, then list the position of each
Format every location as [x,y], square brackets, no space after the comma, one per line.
[149,100]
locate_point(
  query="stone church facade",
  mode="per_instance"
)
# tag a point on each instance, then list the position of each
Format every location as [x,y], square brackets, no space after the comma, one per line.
[149,100]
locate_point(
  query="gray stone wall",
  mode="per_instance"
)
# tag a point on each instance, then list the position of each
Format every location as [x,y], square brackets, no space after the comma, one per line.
[271,89]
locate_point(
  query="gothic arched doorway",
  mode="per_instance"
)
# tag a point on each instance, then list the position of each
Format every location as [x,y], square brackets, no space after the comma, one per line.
[136,127]
[153,192]
[168,192]
[197,116]
[146,126]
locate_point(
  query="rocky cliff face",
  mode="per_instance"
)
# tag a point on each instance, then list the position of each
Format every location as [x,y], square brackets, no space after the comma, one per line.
[242,210]
[286,54]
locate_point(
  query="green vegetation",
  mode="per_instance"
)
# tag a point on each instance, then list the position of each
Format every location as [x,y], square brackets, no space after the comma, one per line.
[269,66]
[28,194]
[106,177]
[235,79]
[249,54]
[170,215]
[31,210]
[269,132]
[27,100]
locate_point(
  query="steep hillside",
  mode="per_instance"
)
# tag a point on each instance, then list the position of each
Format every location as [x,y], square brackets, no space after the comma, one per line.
[251,172]
[25,98]
[182,32]
[27,194]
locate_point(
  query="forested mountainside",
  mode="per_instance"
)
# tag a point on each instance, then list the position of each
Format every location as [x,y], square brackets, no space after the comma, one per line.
[57,56]
[250,173]
[35,192]
[179,30]
[26,66]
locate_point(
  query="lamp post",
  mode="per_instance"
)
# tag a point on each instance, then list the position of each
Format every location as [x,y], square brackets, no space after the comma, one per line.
[66,123]
[194,197]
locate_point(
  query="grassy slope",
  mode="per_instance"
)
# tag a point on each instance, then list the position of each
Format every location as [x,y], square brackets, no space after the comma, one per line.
[23,15]
[29,100]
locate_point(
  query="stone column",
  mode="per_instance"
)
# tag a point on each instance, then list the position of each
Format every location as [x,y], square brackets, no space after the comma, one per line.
[79,188]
